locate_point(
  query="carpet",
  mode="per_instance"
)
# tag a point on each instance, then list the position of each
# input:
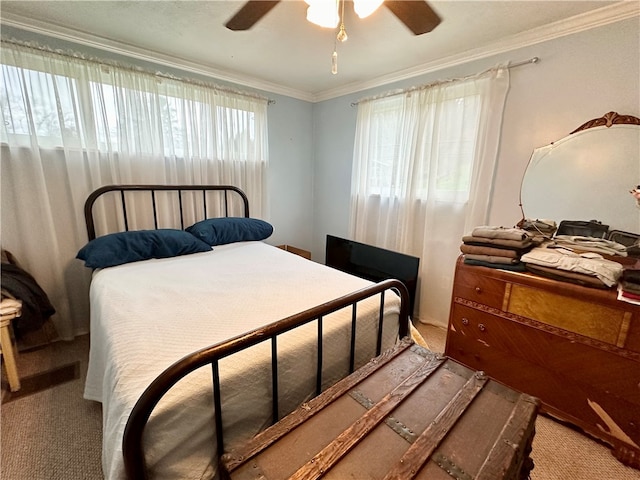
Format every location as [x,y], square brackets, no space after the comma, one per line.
[41,381]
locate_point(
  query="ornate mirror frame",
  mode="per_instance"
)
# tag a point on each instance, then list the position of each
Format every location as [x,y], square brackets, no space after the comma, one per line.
[587,175]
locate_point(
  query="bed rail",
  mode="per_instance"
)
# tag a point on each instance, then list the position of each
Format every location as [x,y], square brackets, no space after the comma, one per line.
[134,460]
[152,189]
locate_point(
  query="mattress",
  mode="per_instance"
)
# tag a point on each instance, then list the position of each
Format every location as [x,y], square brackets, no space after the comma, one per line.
[147,315]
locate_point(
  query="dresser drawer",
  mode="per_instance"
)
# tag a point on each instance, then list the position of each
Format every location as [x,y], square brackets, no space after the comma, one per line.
[479,288]
[600,322]
[576,382]
[575,348]
[563,397]
[596,369]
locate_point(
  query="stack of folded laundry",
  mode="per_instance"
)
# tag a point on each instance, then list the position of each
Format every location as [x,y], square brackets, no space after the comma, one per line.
[496,247]
[542,230]
[588,269]
[629,287]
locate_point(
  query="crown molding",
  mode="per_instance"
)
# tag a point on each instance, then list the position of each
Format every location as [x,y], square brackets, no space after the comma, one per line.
[121,48]
[596,18]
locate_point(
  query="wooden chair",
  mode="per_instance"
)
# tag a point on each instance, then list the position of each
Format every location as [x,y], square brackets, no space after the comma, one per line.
[9,309]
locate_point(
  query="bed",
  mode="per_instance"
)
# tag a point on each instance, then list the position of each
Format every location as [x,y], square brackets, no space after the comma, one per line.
[194,353]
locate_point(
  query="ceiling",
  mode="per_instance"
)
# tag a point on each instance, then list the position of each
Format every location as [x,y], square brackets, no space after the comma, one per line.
[283,53]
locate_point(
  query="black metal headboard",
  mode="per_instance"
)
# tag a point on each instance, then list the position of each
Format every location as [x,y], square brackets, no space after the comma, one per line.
[224,190]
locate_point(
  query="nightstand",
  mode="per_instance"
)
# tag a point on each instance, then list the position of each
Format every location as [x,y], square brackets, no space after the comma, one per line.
[298,251]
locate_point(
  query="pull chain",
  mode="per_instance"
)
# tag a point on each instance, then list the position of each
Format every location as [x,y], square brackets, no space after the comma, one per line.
[342,37]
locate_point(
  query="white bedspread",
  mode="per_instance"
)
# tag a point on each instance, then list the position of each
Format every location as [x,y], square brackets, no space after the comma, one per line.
[147,315]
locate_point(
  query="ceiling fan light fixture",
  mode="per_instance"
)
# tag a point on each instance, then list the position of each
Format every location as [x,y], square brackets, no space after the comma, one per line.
[323,13]
[364,8]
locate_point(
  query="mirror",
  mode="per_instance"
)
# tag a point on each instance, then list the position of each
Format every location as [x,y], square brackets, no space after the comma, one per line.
[587,175]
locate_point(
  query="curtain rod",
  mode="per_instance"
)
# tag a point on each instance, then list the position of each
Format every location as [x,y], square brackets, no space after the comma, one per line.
[421,87]
[132,68]
[524,62]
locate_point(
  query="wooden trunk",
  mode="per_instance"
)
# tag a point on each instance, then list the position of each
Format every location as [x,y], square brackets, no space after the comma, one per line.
[575,348]
[407,414]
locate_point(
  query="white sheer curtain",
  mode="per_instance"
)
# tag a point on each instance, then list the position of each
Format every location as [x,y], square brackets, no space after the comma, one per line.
[71,125]
[422,176]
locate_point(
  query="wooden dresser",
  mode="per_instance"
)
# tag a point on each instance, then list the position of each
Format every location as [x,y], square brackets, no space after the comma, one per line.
[575,348]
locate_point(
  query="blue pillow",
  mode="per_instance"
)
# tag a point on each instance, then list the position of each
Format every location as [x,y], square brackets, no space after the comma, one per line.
[220,231]
[125,247]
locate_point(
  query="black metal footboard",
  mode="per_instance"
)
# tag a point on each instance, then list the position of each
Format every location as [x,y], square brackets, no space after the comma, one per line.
[134,459]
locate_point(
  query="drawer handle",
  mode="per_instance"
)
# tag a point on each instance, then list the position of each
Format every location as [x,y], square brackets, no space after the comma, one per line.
[478,290]
[482,327]
[465,321]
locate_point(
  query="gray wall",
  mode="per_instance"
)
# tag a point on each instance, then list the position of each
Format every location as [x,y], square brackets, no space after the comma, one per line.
[290,175]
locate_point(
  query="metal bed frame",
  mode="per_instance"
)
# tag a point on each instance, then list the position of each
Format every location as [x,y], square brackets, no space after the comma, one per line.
[125,190]
[133,450]
[134,460]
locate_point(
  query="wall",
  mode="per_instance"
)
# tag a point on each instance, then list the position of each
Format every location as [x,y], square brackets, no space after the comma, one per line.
[579,77]
[290,177]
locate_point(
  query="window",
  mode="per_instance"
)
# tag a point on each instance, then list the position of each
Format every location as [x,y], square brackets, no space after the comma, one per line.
[451,146]
[37,103]
[116,113]
[423,168]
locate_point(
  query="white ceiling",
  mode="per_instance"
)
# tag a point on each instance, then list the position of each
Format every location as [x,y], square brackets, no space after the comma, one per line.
[283,53]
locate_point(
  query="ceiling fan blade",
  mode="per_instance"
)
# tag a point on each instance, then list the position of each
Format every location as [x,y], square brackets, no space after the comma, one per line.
[418,16]
[250,13]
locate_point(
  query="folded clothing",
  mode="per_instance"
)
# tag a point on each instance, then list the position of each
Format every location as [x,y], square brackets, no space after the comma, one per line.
[10,306]
[485,250]
[591,244]
[492,259]
[587,263]
[516,267]
[632,296]
[541,230]
[566,276]
[631,275]
[496,247]
[545,227]
[501,233]
[630,286]
[517,245]
[36,307]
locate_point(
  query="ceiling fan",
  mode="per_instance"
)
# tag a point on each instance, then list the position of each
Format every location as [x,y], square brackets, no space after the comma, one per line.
[417,15]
